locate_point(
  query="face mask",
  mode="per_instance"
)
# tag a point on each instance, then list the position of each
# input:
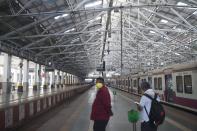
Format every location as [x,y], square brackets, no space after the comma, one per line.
[99,85]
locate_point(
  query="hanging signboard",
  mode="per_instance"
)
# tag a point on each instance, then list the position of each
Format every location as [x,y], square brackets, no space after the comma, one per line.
[101,67]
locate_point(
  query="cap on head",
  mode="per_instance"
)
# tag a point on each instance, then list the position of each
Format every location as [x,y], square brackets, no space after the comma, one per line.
[100,79]
[145,85]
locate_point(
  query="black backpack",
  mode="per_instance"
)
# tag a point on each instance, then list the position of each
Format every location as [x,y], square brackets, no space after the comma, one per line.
[157,112]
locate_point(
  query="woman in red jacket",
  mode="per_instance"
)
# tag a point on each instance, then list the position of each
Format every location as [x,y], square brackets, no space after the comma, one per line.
[101,108]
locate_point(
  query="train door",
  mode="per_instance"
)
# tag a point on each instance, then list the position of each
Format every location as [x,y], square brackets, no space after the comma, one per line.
[168,88]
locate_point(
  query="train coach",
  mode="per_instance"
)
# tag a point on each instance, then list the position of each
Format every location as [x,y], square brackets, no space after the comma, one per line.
[175,84]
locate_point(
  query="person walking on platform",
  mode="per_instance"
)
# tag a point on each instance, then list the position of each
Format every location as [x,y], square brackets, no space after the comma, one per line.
[145,106]
[101,108]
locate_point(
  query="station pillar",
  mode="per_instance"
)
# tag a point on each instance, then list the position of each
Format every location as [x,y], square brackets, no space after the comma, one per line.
[53,79]
[26,75]
[35,86]
[62,78]
[39,77]
[7,74]
[66,79]
[45,86]
[57,79]
[64,82]
[20,85]
[71,79]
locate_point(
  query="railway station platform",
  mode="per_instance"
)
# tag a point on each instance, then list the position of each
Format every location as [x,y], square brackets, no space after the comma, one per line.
[74,115]
[17,108]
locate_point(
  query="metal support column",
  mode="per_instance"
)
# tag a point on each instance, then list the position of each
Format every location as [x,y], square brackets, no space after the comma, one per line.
[35,86]
[39,77]
[58,78]
[53,79]
[62,78]
[20,85]
[121,39]
[26,75]
[7,74]
[45,86]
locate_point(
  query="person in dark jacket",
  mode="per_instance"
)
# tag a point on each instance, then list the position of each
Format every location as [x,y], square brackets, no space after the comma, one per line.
[101,108]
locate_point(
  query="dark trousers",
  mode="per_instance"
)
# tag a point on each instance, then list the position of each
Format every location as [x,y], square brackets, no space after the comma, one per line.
[100,125]
[146,126]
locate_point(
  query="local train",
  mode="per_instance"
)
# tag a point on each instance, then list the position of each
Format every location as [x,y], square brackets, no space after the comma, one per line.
[175,84]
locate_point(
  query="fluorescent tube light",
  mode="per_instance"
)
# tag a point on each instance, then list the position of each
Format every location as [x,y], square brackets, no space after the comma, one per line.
[164,21]
[60,16]
[181,4]
[152,32]
[93,4]
[177,54]
[69,30]
[75,40]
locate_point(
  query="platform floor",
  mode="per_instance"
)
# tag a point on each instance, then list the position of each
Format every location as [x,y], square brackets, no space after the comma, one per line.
[74,116]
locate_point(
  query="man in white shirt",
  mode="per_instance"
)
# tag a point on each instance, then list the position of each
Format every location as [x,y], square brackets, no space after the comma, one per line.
[145,102]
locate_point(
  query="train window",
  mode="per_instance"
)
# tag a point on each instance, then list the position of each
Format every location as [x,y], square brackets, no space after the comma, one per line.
[179,83]
[188,84]
[159,83]
[155,83]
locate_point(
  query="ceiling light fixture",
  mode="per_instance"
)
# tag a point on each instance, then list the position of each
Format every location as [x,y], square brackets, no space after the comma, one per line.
[69,30]
[60,16]
[181,4]
[177,54]
[152,32]
[164,21]
[97,18]
[74,40]
[93,4]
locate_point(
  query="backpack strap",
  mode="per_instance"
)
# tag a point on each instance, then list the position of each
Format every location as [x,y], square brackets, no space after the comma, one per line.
[146,112]
[155,97]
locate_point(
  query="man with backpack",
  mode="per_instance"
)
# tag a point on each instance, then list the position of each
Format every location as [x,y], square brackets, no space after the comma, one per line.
[151,111]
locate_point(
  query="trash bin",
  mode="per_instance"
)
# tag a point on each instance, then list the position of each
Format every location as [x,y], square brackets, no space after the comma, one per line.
[133,117]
